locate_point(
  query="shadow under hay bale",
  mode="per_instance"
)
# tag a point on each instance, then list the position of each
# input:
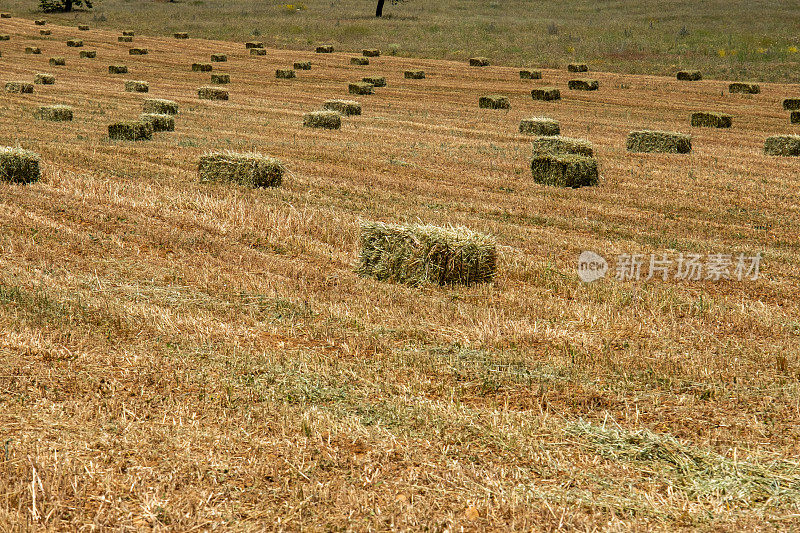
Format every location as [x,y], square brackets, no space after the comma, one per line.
[19,87]
[578,67]
[159,106]
[415,254]
[479,62]
[794,117]
[18,165]
[75,43]
[494,101]
[583,85]
[248,169]
[125,39]
[83,27]
[564,170]
[659,141]
[117,69]
[547,94]
[137,86]
[44,79]
[323,119]
[88,54]
[562,145]
[371,52]
[530,74]
[711,120]
[201,67]
[344,107]
[221,79]
[212,93]
[33,50]
[58,61]
[791,104]
[159,121]
[783,145]
[324,49]
[539,126]
[302,65]
[376,81]
[218,58]
[138,51]
[253,44]
[181,35]
[744,88]
[258,52]
[361,61]
[360,87]
[130,131]
[285,73]
[689,75]
[54,113]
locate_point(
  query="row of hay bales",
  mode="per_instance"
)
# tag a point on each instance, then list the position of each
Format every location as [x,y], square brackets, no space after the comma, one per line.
[157,115]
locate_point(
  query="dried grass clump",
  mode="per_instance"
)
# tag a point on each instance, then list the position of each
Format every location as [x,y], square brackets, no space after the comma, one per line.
[285,73]
[128,33]
[219,58]
[58,61]
[371,52]
[44,79]
[201,67]
[159,106]
[578,67]
[88,54]
[40,22]
[546,93]
[323,119]
[302,65]
[564,170]
[377,81]
[125,39]
[361,61]
[258,52]
[137,86]
[253,44]
[19,87]
[659,141]
[783,145]
[221,79]
[583,85]
[130,131]
[159,122]
[794,117]
[416,254]
[212,93]
[324,49]
[249,169]
[479,62]
[18,165]
[75,43]
[530,74]
[138,51]
[54,113]
[45,32]
[745,88]
[33,50]
[711,120]
[343,107]
[83,27]
[539,126]
[360,87]
[414,74]
[181,35]
[494,101]
[5,37]
[689,75]
[562,145]
[117,69]
[791,104]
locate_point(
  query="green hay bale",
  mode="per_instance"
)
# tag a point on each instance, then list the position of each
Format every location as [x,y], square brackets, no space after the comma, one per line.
[659,141]
[547,94]
[494,101]
[302,65]
[221,79]
[159,122]
[711,120]
[201,67]
[75,43]
[218,58]
[159,106]
[45,32]
[415,254]
[83,27]
[343,107]
[562,145]
[564,170]
[689,75]
[371,52]
[248,169]
[130,131]
[414,74]
[479,62]
[530,74]
[285,73]
[19,87]
[5,37]
[578,67]
[18,165]
[88,54]
[583,85]
[58,61]
[181,35]
[128,33]
[54,113]
[360,87]
[324,49]
[5,15]
[117,69]
[125,39]
[783,145]
[253,44]
[323,119]
[40,22]
[33,50]
[791,104]
[744,88]
[377,81]
[794,117]
[539,126]
[137,86]
[44,79]
[258,52]
[361,61]
[138,51]
[212,93]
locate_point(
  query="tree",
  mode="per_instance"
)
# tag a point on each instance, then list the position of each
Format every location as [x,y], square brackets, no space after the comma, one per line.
[379,10]
[50,6]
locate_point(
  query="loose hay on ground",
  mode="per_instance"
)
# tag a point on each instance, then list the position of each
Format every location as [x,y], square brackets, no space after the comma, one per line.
[18,165]
[323,119]
[344,107]
[159,106]
[54,113]
[659,141]
[539,126]
[159,121]
[130,131]
[783,145]
[494,101]
[248,169]
[711,120]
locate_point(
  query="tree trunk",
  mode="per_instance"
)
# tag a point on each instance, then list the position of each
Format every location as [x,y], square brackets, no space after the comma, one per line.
[67,6]
[379,11]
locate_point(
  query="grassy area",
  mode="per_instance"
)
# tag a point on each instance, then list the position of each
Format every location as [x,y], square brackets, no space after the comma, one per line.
[733,40]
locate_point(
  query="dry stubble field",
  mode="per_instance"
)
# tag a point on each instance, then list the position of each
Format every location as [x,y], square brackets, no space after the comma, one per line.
[182,355]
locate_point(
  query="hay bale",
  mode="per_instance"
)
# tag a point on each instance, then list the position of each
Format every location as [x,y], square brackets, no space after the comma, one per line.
[494,101]
[791,104]
[253,44]
[138,51]
[562,145]
[479,62]
[783,145]
[377,81]
[117,69]
[361,61]
[221,79]
[125,39]
[578,67]
[218,58]
[360,87]
[45,32]
[181,35]
[201,67]
[212,93]
[58,61]
[711,120]
[689,75]
[249,169]
[416,254]
[539,126]
[414,74]
[44,79]
[323,119]
[75,43]
[18,165]
[547,94]
[19,87]
[40,22]
[745,88]
[583,85]
[794,117]
[5,37]
[324,49]
[54,113]
[130,131]
[159,122]
[159,106]
[136,86]
[258,52]
[88,54]
[128,33]
[5,15]
[659,141]
[530,74]
[302,65]
[564,170]
[343,107]
[33,50]
[371,52]
[83,27]
[285,73]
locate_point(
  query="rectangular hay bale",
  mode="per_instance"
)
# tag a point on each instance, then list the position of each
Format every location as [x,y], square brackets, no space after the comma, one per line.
[125,39]
[253,44]
[220,78]
[361,61]
[128,33]
[343,107]
[258,52]
[58,61]
[285,73]
[494,101]
[5,37]
[218,58]
[248,169]
[202,67]
[783,145]
[539,126]
[159,121]
[414,74]
[130,131]
[20,87]
[578,67]
[83,27]
[44,79]
[548,94]
[711,120]
[479,62]
[75,43]
[794,117]
[212,93]
[564,170]
[530,74]
[360,87]
[658,141]
[33,50]
[324,49]
[377,81]
[371,52]
[181,35]
[323,119]
[302,65]
[744,88]
[583,85]
[18,165]
[88,54]
[54,113]
[689,75]
[117,69]
[562,145]
[159,106]
[138,51]
[45,32]
[791,104]
[137,86]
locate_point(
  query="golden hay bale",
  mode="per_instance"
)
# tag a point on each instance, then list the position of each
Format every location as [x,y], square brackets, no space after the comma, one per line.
[302,65]
[54,113]
[40,22]
[88,54]
[711,120]
[212,93]
[323,119]
[220,78]
[791,104]
[659,141]
[130,131]
[258,52]
[218,58]
[479,62]
[285,73]
[530,74]
[794,117]
[128,33]
[494,101]
[159,106]
[181,35]
[689,75]
[361,61]
[783,145]
[377,81]
[138,51]
[75,43]
[583,85]
[343,107]
[324,49]
[248,169]
[360,87]
[253,44]
[539,126]
[202,67]
[125,39]
[745,88]
[33,50]
[19,87]
[136,86]
[578,67]
[117,69]
[44,79]
[45,32]
[562,145]
[159,121]
[371,52]
[416,254]
[546,93]
[18,165]
[57,61]
[83,27]
[564,170]
[414,74]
